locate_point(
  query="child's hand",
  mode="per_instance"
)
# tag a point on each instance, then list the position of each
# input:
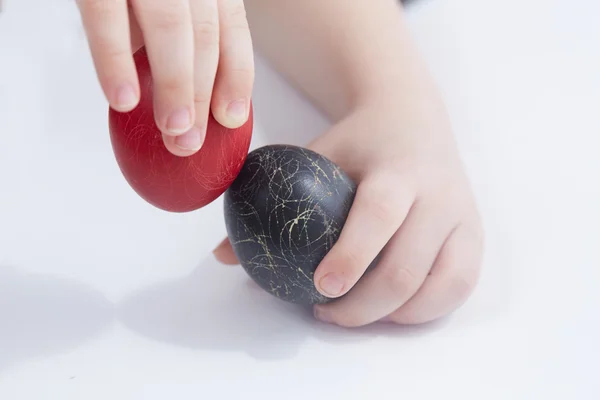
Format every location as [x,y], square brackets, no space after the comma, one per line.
[413,198]
[193,46]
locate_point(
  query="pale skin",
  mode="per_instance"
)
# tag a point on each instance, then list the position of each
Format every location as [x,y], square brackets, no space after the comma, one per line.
[356,61]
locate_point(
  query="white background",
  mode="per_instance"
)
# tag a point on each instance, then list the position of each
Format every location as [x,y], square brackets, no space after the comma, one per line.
[104,297]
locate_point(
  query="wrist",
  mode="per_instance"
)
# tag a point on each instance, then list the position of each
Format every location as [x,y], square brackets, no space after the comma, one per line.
[384,76]
[400,92]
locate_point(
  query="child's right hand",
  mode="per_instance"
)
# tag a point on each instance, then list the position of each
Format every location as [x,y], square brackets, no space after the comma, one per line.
[200,54]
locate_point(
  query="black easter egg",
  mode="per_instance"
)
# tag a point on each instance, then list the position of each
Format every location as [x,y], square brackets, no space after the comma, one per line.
[283,213]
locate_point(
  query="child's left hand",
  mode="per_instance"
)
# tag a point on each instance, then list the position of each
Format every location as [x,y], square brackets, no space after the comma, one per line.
[414,203]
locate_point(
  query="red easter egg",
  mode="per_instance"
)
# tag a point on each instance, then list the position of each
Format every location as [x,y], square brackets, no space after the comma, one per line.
[169,182]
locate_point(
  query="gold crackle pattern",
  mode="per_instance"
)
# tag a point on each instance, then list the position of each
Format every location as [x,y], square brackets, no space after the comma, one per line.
[283,213]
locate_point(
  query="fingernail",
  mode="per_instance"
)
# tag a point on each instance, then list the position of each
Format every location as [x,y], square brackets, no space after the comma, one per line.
[331,284]
[179,122]
[321,315]
[191,140]
[236,111]
[126,97]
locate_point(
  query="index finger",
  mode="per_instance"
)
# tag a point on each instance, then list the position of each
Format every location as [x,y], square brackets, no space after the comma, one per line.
[106,23]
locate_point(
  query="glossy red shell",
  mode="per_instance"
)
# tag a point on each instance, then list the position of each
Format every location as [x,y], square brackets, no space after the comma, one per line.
[169,182]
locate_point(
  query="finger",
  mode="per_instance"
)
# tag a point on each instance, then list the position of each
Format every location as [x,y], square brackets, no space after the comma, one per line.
[137,37]
[224,253]
[205,26]
[380,206]
[167,31]
[452,280]
[402,269]
[235,76]
[107,29]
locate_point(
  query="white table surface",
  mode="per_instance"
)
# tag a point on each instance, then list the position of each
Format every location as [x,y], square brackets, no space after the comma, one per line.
[104,297]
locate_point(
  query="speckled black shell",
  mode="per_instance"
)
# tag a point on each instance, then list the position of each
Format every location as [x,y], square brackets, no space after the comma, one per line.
[283,213]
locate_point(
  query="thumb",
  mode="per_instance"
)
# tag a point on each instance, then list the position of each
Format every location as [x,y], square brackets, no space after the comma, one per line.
[224,253]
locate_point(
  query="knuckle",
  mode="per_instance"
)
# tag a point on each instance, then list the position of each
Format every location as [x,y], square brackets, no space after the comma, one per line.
[201,99]
[171,84]
[348,258]
[399,280]
[98,6]
[382,198]
[166,18]
[206,33]
[236,18]
[376,206]
[109,50]
[235,83]
[237,11]
[243,75]
[169,21]
[347,262]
